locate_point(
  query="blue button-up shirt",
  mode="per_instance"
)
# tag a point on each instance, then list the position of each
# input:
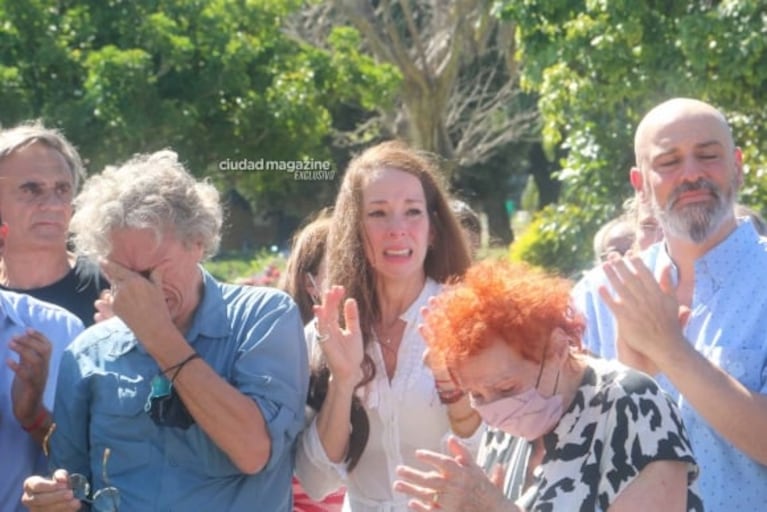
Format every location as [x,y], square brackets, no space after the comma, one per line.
[253,338]
[20,455]
[728,325]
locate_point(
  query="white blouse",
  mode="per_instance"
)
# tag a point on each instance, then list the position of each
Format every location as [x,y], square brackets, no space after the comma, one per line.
[405,415]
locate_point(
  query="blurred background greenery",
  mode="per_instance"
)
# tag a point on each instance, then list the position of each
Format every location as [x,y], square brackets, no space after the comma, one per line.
[529,106]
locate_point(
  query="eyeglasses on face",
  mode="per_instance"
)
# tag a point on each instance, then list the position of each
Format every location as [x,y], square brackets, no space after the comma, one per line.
[103,500]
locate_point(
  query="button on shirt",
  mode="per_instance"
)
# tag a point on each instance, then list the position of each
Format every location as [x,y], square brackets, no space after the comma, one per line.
[253,338]
[728,325]
[20,455]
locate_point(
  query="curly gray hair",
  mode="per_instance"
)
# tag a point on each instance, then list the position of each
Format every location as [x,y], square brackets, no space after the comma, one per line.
[31,132]
[153,191]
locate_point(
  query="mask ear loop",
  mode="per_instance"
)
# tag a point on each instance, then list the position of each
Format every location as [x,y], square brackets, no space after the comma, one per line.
[540,372]
[556,384]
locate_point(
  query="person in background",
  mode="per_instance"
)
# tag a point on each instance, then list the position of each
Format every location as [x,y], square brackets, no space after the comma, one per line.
[305,268]
[757,220]
[40,171]
[635,229]
[469,221]
[591,434]
[302,280]
[647,230]
[32,341]
[393,239]
[691,310]
[616,235]
[194,390]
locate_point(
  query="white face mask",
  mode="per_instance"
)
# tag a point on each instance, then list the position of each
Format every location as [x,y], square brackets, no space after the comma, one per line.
[528,415]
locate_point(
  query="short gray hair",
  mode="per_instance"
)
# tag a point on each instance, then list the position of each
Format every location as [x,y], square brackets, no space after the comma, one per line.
[31,132]
[149,191]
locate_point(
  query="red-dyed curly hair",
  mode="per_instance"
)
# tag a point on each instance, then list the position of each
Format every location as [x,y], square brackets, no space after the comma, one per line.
[517,302]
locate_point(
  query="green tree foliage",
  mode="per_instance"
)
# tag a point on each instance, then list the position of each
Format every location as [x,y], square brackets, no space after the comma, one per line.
[598,66]
[555,240]
[215,80]
[459,97]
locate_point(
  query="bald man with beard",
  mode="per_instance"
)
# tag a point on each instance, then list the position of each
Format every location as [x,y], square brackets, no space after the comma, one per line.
[691,309]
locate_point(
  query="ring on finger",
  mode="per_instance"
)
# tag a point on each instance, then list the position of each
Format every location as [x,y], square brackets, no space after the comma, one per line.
[322,338]
[435,498]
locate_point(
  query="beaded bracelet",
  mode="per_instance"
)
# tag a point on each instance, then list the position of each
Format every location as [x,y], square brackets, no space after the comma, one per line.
[39,420]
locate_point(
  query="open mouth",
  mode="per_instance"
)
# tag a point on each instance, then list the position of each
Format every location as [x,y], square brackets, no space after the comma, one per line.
[398,253]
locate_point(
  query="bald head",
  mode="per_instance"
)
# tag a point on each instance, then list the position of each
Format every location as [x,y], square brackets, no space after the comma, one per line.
[688,170]
[661,126]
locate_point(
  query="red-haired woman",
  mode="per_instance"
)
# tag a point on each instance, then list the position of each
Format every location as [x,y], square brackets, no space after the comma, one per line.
[593,435]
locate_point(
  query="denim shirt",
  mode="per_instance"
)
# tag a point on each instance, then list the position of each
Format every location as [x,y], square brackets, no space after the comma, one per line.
[253,338]
[20,455]
[728,325]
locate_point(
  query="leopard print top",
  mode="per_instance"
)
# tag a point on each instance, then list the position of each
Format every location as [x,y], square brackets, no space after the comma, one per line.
[619,422]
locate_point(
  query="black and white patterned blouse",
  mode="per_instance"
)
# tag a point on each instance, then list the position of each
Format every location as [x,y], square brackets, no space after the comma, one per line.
[618,423]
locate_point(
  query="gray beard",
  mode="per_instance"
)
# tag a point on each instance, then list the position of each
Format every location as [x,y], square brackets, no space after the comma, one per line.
[697,221]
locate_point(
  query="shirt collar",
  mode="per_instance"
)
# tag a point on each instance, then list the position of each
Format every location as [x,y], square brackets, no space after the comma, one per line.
[718,260]
[10,314]
[210,317]
[712,269]
[413,312]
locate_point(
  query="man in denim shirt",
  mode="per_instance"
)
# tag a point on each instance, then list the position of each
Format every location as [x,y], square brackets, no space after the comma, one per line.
[194,392]
[691,310]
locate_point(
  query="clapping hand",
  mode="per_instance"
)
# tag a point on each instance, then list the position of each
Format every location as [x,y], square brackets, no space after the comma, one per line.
[454,484]
[648,316]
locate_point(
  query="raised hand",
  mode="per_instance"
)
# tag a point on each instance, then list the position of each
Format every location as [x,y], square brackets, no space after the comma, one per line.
[30,374]
[138,300]
[342,347]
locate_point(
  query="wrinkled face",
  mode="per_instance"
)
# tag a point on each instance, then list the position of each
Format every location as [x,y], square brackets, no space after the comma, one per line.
[690,173]
[499,371]
[395,224]
[139,251]
[36,192]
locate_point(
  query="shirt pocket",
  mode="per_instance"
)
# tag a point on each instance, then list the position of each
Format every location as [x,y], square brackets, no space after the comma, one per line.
[744,364]
[119,423]
[120,397]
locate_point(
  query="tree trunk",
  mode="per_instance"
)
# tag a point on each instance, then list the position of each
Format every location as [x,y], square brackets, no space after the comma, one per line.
[498,222]
[541,169]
